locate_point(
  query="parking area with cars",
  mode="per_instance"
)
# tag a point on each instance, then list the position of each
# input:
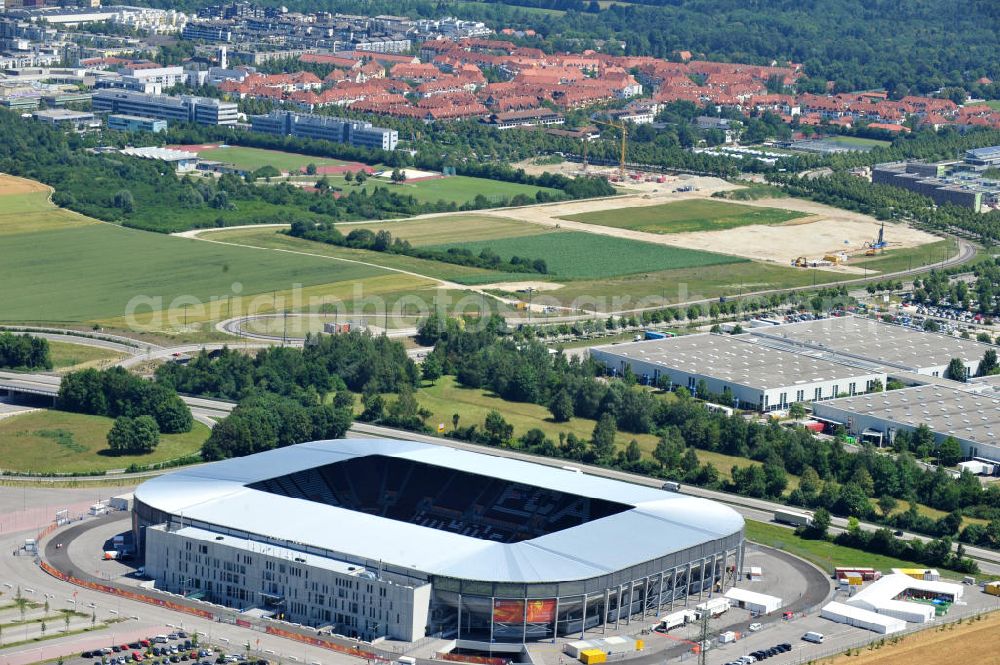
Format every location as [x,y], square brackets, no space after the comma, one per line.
[176,647]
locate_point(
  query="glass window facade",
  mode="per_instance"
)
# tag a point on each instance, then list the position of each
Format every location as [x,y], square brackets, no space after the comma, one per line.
[478,611]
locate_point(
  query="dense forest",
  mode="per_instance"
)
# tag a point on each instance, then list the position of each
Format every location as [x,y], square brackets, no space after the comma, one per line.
[916,46]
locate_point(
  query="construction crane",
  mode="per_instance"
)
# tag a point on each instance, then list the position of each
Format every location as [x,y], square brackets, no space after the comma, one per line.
[624,130]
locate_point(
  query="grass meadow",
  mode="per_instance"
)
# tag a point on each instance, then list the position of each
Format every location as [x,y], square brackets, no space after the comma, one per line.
[579,255]
[255,158]
[56,441]
[687,217]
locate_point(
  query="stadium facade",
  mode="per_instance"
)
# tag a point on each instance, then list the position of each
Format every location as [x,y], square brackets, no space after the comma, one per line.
[384,538]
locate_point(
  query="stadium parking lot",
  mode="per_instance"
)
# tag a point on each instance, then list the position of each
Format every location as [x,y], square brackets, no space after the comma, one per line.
[163,649]
[837,637]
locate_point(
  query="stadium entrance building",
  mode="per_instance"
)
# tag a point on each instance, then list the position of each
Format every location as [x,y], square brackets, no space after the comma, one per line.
[383,538]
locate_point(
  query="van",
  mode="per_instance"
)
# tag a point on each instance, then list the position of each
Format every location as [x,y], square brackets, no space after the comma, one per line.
[406,660]
[814,637]
[160,639]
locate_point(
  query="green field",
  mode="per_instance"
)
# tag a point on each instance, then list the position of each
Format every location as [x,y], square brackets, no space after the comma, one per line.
[444,229]
[21,213]
[66,268]
[446,397]
[858,141]
[994,104]
[270,238]
[578,255]
[66,356]
[686,217]
[824,554]
[457,189]
[252,159]
[57,441]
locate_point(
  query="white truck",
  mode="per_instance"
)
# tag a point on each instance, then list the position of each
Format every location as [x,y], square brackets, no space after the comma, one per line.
[712,608]
[675,620]
[793,517]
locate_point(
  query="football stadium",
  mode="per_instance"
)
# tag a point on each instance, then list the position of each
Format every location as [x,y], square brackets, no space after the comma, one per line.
[375,538]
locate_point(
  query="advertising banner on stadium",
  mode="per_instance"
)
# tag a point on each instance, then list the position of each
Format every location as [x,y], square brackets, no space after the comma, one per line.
[508,611]
[542,611]
[513,611]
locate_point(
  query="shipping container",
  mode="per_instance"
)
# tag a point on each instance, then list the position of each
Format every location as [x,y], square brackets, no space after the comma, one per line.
[867,574]
[573,649]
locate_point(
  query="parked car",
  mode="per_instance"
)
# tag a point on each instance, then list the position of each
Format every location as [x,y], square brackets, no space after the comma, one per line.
[754,627]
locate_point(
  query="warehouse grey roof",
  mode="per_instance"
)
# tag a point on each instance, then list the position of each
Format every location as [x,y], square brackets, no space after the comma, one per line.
[971,416]
[991,152]
[890,345]
[736,359]
[656,524]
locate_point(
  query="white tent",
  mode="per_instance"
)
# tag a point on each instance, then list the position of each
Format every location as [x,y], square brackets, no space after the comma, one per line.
[861,618]
[757,603]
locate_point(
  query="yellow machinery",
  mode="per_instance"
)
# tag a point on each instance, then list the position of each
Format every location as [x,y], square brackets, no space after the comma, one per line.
[801,262]
[593,657]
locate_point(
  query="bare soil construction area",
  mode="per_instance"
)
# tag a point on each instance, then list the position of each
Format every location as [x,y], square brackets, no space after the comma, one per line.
[826,230]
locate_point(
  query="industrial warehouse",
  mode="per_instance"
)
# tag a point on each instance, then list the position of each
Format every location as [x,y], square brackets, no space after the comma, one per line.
[866,342]
[758,376]
[381,538]
[972,418]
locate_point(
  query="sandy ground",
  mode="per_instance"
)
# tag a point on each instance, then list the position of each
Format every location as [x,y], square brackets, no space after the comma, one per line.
[970,643]
[521,286]
[825,230]
[13,185]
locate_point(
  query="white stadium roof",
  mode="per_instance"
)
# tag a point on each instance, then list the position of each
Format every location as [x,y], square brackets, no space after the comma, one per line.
[656,524]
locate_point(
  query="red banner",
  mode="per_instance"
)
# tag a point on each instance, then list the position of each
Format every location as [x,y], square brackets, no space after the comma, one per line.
[508,611]
[513,611]
[542,611]
[321,643]
[131,595]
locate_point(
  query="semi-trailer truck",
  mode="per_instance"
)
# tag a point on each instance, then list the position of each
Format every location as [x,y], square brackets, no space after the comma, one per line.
[793,517]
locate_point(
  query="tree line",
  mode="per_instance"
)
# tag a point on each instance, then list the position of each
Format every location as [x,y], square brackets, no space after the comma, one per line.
[382,241]
[24,352]
[843,190]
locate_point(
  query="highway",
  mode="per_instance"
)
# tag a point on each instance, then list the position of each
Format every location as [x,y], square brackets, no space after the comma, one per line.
[755,509]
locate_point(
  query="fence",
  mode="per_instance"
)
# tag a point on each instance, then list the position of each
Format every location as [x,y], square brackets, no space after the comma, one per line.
[123,593]
[355,651]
